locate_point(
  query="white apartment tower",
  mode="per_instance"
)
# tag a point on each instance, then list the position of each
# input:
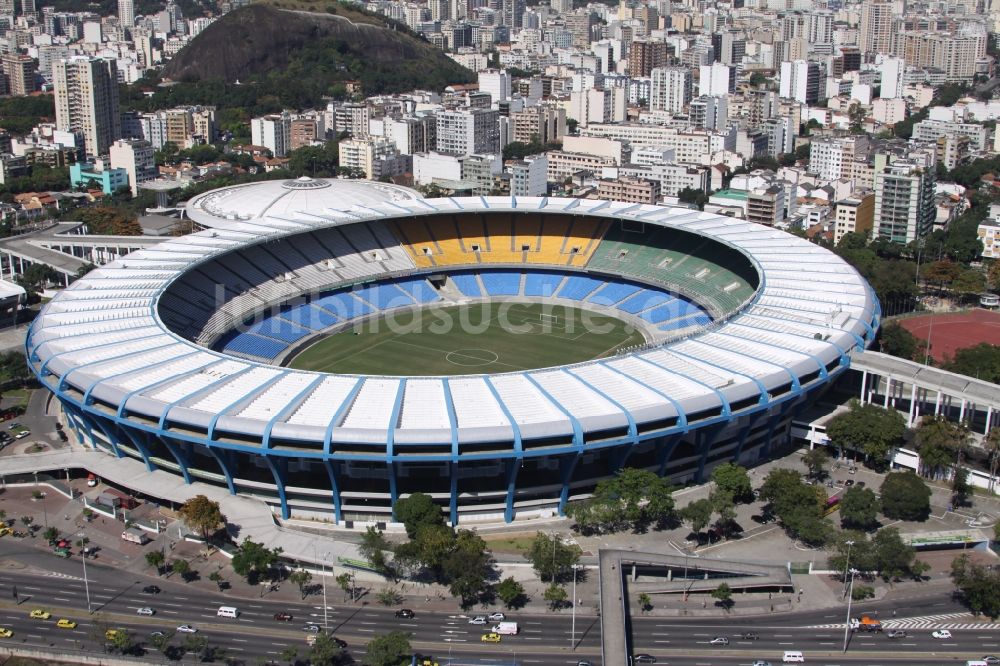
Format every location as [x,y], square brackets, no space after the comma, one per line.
[497,83]
[273,132]
[126,13]
[468,131]
[87,101]
[800,81]
[136,156]
[716,79]
[892,70]
[875,28]
[670,89]
[904,202]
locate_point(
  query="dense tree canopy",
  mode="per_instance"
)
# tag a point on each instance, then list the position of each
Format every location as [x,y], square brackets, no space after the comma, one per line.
[734,481]
[859,509]
[905,496]
[981,361]
[867,428]
[978,584]
[633,498]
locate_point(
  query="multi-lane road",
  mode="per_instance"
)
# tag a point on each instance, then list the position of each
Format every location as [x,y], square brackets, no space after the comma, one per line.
[544,639]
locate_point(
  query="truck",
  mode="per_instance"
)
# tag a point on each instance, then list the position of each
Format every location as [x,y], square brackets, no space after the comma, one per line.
[134,535]
[866,623]
[506,628]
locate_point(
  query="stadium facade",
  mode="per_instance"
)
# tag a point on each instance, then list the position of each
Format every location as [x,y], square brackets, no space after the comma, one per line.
[172,354]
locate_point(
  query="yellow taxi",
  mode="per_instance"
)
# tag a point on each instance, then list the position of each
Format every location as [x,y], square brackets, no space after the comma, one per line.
[112,634]
[66,624]
[5,633]
[492,637]
[39,614]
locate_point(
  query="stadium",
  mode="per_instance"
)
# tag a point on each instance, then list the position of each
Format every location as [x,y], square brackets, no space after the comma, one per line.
[289,351]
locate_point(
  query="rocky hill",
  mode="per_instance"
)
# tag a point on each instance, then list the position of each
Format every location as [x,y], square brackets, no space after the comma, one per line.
[313,50]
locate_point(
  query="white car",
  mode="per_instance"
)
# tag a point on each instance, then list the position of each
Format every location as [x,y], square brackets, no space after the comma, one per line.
[145,610]
[497,617]
[22,434]
[479,619]
[187,629]
[941,633]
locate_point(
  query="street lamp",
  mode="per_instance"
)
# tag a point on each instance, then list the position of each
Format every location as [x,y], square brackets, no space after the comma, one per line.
[83,556]
[850,597]
[572,636]
[847,564]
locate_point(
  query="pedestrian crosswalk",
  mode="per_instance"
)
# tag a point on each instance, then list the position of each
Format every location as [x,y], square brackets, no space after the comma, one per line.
[56,574]
[931,622]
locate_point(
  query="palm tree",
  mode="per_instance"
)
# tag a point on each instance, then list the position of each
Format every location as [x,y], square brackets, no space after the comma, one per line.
[992,445]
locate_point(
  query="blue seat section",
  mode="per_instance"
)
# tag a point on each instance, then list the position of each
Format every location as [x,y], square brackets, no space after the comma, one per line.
[467,284]
[254,345]
[420,290]
[542,284]
[502,283]
[662,313]
[700,319]
[310,317]
[644,300]
[274,327]
[578,286]
[384,296]
[613,292]
[343,305]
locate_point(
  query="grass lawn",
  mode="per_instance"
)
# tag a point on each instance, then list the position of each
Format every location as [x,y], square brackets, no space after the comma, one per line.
[509,544]
[469,339]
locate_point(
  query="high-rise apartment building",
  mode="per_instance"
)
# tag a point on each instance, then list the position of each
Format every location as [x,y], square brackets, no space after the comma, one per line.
[717,79]
[891,71]
[468,131]
[904,202]
[855,214]
[953,54]
[670,89]
[273,132]
[86,92]
[20,72]
[546,124]
[497,83]
[875,28]
[136,156]
[799,80]
[126,13]
[645,56]
[709,112]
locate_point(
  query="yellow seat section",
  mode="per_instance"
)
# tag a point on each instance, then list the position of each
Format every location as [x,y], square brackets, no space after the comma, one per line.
[528,233]
[583,238]
[472,232]
[554,229]
[416,238]
[501,249]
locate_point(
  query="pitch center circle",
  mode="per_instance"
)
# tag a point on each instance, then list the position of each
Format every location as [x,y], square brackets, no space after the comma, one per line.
[471,358]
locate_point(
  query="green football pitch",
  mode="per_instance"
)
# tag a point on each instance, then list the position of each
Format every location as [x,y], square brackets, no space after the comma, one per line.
[469,339]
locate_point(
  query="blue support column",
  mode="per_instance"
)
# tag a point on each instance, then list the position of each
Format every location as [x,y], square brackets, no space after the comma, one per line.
[137,441]
[335,489]
[221,457]
[567,464]
[180,456]
[708,437]
[393,490]
[620,455]
[453,493]
[279,470]
[667,449]
[93,423]
[513,467]
[73,418]
[773,422]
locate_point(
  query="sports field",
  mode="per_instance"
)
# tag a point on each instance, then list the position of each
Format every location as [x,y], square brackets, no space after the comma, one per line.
[469,339]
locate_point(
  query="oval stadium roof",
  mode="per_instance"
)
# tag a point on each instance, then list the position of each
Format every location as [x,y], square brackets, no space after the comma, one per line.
[103,337]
